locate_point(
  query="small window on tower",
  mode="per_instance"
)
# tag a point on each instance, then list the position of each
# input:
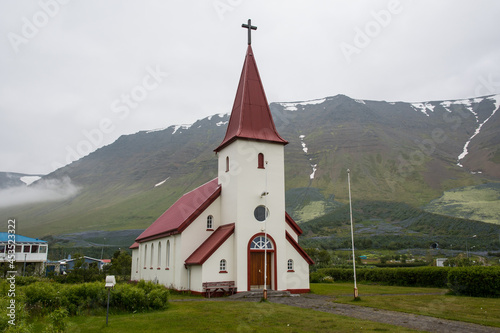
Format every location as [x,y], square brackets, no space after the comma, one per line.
[261,161]
[210,222]
[227,163]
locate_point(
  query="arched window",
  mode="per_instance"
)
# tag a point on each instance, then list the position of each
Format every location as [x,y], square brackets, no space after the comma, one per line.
[261,243]
[222,266]
[159,255]
[145,254]
[168,255]
[260,161]
[152,254]
[227,163]
[290,265]
[210,222]
[137,265]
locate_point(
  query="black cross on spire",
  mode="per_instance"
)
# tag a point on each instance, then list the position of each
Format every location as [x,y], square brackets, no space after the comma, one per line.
[250,27]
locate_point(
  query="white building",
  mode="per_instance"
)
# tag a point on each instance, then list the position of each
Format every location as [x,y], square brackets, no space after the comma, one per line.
[30,253]
[233,228]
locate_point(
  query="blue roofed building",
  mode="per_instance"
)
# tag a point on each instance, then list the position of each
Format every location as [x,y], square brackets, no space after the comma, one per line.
[29,254]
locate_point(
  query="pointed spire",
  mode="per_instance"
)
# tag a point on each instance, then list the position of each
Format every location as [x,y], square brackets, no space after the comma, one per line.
[251,117]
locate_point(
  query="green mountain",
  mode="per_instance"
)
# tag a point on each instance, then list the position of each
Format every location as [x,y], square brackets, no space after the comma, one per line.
[397,152]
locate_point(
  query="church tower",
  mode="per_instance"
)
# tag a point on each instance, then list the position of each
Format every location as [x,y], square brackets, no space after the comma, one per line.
[252,176]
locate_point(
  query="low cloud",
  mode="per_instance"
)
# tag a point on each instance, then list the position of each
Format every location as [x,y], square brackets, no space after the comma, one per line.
[43,190]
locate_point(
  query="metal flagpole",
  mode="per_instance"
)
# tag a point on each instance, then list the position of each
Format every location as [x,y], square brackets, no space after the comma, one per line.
[265,239]
[352,233]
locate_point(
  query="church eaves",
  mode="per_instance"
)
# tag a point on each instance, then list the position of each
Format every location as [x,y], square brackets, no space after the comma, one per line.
[251,117]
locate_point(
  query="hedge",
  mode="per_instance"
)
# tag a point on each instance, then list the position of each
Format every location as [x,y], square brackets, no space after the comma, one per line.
[44,297]
[470,281]
[475,281]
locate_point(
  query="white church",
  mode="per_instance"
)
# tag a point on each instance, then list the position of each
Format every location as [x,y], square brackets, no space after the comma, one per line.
[233,230]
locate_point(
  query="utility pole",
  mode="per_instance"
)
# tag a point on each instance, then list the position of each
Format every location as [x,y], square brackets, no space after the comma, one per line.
[352,234]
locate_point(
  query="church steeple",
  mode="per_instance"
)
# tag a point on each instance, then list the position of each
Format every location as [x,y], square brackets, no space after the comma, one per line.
[251,117]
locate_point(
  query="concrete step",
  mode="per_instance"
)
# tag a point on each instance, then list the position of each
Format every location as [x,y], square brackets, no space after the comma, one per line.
[260,294]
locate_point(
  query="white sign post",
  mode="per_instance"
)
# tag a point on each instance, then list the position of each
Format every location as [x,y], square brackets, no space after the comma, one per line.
[110,283]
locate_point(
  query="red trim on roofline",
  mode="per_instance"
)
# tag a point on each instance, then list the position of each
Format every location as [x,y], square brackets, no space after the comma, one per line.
[173,222]
[134,246]
[210,245]
[200,209]
[293,224]
[299,249]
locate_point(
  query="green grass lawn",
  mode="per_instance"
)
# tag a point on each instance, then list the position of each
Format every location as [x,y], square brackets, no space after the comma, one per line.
[195,314]
[227,316]
[478,310]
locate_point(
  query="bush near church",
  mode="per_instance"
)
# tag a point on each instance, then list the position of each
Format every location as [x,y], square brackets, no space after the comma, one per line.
[89,298]
[475,281]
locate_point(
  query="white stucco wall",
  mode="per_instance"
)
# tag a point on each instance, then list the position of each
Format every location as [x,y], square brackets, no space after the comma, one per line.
[299,278]
[242,187]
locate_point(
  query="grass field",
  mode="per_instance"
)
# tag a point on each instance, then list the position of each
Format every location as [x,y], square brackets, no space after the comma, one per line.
[478,202]
[228,316]
[477,310]
[196,314]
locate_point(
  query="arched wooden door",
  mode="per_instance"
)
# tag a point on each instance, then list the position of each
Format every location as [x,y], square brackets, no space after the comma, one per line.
[260,247]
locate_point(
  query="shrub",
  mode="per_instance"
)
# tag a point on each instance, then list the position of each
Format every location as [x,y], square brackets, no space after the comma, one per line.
[58,320]
[475,281]
[42,297]
[85,296]
[422,276]
[470,281]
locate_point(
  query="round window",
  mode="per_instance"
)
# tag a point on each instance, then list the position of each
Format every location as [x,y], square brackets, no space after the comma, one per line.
[261,213]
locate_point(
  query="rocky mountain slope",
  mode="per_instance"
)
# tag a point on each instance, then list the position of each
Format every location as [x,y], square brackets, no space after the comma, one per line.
[396,151]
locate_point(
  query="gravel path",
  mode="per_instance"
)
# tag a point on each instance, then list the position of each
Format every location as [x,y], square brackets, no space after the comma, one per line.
[417,322]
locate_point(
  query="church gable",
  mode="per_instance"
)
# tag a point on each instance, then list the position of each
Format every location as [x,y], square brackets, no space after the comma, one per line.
[183,212]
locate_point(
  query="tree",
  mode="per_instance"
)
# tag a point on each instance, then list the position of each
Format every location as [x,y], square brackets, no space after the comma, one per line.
[121,264]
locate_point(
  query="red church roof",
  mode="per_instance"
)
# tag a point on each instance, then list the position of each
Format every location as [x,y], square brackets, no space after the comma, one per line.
[182,212]
[251,117]
[210,245]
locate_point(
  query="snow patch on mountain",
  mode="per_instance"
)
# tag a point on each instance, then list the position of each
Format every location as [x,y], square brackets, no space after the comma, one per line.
[28,180]
[423,107]
[293,106]
[305,150]
[466,102]
[465,151]
[180,127]
[162,182]
[220,115]
[156,130]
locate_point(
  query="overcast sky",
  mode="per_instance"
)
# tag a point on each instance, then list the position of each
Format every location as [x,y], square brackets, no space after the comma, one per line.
[75,75]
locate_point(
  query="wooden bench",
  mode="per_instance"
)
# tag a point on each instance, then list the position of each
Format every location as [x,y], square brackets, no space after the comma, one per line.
[213,287]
